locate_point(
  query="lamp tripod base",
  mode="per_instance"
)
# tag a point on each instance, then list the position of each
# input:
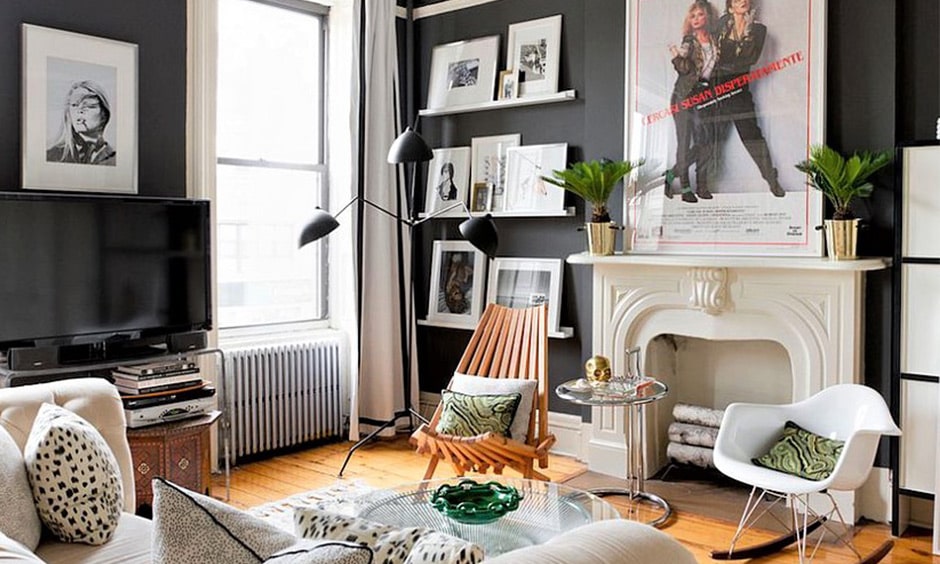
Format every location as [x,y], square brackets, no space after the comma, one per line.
[410,413]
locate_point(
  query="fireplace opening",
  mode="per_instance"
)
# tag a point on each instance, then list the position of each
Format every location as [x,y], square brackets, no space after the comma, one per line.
[709,374]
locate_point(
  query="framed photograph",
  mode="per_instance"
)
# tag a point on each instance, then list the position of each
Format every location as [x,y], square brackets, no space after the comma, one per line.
[79,128]
[525,282]
[533,50]
[720,144]
[525,189]
[458,273]
[463,72]
[489,163]
[481,197]
[448,179]
[508,85]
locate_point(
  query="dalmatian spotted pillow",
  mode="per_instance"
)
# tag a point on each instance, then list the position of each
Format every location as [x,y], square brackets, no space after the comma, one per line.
[391,545]
[74,477]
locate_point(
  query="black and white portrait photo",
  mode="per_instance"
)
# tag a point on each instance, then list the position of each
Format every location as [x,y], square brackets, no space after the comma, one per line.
[454,290]
[458,273]
[448,180]
[79,113]
[463,73]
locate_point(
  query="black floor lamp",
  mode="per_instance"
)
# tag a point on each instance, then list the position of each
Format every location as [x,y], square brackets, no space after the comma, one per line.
[411,148]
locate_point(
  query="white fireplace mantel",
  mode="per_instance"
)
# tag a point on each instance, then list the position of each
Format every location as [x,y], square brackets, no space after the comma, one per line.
[812,306]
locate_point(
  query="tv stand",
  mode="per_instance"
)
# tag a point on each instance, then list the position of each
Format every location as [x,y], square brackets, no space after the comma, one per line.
[12,378]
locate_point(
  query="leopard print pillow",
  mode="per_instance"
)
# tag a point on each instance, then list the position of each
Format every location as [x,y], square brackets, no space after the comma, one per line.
[74,476]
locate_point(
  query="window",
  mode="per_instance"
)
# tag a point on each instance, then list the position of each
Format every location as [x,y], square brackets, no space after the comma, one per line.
[272,167]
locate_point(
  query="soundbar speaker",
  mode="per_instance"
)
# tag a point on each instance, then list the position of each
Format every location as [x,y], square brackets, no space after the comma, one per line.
[189,341]
[33,358]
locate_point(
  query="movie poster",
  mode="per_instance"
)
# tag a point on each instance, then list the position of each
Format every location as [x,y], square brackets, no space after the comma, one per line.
[723,98]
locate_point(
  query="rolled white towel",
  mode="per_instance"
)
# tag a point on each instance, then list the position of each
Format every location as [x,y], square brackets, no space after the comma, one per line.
[688,454]
[698,415]
[689,434]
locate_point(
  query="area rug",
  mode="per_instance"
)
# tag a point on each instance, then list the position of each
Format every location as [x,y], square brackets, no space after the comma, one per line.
[337,498]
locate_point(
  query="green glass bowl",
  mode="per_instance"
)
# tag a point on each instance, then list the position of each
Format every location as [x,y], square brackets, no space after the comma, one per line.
[473,503]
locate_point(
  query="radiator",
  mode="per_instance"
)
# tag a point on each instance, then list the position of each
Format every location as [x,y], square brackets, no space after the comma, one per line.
[285,394]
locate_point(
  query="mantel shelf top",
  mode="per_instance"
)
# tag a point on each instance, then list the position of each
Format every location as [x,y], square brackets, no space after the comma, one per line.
[725,261]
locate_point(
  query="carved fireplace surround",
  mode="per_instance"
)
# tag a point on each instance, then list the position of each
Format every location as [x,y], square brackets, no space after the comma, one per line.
[812,307]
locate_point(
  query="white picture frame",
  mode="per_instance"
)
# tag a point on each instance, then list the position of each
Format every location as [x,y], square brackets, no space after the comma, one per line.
[488,158]
[525,282]
[526,191]
[448,181]
[78,87]
[786,100]
[463,72]
[533,50]
[458,275]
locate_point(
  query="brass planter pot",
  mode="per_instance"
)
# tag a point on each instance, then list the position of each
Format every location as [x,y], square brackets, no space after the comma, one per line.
[841,238]
[601,237]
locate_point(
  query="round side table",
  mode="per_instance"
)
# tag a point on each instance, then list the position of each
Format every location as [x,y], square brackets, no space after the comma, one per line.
[621,394]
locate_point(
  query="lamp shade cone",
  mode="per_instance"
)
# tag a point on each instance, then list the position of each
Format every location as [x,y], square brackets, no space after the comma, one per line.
[481,233]
[409,147]
[319,226]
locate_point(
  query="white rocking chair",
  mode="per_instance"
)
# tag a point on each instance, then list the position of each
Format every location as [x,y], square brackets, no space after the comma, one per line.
[847,412]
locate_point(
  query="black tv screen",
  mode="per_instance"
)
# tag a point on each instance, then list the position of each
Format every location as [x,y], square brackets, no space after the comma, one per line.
[85,268]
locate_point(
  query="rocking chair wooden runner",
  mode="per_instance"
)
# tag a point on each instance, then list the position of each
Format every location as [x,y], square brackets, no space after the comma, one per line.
[507,343]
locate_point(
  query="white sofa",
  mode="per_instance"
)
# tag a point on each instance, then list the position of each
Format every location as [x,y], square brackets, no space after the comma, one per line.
[98,402]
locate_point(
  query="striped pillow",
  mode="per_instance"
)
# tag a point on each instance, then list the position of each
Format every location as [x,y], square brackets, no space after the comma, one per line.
[466,415]
[802,453]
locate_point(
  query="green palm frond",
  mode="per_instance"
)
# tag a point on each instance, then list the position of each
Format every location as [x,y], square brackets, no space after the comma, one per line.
[841,180]
[594,181]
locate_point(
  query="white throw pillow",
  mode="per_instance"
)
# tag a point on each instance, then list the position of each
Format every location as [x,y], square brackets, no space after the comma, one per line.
[190,527]
[18,520]
[75,479]
[477,385]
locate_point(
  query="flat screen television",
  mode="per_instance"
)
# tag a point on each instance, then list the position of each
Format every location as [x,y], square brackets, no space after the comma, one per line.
[80,269]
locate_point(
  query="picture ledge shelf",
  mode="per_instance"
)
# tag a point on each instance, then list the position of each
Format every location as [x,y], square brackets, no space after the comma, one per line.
[562,333]
[563,96]
[567,212]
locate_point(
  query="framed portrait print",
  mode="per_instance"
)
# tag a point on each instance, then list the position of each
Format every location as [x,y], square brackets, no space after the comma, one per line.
[533,52]
[526,282]
[508,85]
[720,141]
[526,192]
[448,179]
[481,197]
[489,163]
[79,128]
[458,273]
[463,72]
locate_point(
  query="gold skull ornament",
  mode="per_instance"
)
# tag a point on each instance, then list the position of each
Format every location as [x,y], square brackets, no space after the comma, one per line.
[597,369]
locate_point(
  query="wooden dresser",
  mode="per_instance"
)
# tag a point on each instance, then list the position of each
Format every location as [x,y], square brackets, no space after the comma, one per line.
[178,452]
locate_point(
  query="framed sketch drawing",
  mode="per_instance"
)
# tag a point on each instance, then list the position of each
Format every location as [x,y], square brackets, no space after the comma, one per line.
[533,52]
[720,141]
[79,112]
[463,72]
[526,192]
[448,178]
[458,273]
[489,163]
[525,282]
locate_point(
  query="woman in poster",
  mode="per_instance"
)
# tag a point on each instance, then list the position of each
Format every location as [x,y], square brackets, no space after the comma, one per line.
[740,42]
[694,60]
[86,114]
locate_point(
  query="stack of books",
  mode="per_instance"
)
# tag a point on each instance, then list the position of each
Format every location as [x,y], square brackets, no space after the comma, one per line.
[162,392]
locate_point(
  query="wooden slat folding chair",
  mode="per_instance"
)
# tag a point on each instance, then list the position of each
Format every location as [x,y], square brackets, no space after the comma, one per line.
[507,343]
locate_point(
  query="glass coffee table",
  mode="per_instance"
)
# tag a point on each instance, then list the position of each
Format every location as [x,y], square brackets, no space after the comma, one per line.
[545,510]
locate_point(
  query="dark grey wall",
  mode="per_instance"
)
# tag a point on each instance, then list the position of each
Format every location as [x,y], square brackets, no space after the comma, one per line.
[882,90]
[158,27]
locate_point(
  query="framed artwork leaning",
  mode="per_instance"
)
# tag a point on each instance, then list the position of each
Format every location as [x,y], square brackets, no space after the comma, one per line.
[526,282]
[526,191]
[533,52]
[463,72]
[79,112]
[722,100]
[458,273]
[448,181]
[488,156]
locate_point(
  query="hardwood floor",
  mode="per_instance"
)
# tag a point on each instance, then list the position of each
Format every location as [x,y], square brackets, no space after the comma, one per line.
[389,462]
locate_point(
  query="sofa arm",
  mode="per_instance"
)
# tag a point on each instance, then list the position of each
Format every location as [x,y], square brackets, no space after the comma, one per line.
[616,540]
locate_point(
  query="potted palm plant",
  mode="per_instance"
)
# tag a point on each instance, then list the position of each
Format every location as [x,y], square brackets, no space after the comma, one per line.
[842,180]
[594,181]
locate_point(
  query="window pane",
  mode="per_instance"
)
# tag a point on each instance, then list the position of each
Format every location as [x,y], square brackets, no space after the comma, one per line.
[269,83]
[263,276]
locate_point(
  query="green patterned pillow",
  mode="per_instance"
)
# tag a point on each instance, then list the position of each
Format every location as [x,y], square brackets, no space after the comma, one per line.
[467,415]
[802,453]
